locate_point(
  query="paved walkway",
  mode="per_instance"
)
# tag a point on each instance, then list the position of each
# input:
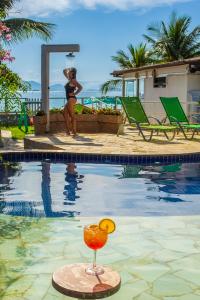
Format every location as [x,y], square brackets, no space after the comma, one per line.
[129,143]
[9,143]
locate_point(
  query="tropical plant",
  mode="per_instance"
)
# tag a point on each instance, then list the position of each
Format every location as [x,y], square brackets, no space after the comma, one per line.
[88,111]
[174,41]
[5,6]
[10,85]
[40,113]
[109,111]
[56,110]
[137,57]
[23,28]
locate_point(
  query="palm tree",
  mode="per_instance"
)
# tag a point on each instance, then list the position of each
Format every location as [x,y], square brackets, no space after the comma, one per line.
[137,57]
[5,5]
[174,41]
[22,28]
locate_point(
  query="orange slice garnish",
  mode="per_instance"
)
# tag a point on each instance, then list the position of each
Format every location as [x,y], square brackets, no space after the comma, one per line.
[107,225]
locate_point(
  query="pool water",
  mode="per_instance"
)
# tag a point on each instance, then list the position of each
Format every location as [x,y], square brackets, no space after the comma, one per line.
[45,189]
[156,247]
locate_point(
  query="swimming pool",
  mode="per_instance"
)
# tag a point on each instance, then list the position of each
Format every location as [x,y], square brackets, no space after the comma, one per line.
[46,189]
[45,205]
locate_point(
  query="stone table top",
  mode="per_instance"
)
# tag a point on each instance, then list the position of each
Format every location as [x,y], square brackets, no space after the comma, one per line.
[72,280]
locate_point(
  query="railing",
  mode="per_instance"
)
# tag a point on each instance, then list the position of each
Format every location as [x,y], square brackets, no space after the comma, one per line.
[33,105]
[153,108]
[94,102]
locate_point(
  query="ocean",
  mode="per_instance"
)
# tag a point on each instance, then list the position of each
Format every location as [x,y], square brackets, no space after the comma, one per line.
[58,98]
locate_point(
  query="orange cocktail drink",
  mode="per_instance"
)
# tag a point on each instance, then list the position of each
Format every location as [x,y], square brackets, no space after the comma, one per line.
[95,237]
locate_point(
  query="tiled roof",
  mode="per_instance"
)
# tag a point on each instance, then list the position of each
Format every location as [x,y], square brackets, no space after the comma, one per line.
[195,60]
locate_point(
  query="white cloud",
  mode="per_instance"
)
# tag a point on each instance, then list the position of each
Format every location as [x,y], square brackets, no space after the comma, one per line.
[46,7]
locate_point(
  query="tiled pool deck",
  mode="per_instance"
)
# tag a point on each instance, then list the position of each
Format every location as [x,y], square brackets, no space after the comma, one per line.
[158,258]
[128,144]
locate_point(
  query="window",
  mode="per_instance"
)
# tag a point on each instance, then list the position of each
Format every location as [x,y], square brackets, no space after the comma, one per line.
[159,82]
[130,88]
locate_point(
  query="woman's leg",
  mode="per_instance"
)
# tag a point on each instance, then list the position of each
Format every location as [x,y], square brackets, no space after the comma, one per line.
[67,120]
[70,107]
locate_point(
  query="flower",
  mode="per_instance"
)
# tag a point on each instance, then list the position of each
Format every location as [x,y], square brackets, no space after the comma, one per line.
[3,28]
[6,56]
[8,37]
[5,35]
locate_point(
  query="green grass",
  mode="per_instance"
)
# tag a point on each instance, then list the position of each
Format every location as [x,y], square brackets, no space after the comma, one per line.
[19,134]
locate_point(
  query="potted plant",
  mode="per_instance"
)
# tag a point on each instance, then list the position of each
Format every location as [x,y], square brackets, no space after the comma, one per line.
[40,121]
[109,120]
[87,121]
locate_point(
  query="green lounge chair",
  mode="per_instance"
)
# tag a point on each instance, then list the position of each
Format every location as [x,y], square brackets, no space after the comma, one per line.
[177,116]
[137,117]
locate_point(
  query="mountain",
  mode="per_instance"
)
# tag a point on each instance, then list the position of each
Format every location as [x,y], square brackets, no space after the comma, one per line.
[35,86]
[57,87]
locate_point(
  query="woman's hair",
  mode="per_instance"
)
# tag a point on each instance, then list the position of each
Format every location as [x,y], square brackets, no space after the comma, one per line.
[72,70]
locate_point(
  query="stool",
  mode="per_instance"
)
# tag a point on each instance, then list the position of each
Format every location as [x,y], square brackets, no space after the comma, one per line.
[72,280]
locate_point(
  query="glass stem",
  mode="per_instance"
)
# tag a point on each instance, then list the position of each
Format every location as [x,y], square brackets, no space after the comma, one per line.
[95,258]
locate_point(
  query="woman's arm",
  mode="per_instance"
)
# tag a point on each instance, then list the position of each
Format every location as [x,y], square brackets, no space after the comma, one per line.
[78,86]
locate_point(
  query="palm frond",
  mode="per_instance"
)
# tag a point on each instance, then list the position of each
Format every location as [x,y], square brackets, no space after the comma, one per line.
[25,28]
[110,85]
[174,41]
[5,6]
[154,30]
[122,60]
[149,39]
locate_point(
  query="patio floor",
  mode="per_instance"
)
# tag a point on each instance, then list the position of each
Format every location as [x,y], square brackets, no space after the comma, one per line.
[129,143]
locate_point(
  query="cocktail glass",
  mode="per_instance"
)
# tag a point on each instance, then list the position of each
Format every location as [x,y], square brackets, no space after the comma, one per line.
[95,238]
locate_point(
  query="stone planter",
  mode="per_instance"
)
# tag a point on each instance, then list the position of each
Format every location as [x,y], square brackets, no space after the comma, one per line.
[56,117]
[57,123]
[40,124]
[85,123]
[109,123]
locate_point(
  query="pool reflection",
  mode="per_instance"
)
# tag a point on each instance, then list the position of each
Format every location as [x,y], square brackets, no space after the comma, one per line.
[45,189]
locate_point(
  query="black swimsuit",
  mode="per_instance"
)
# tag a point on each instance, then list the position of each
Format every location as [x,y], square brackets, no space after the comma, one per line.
[69,90]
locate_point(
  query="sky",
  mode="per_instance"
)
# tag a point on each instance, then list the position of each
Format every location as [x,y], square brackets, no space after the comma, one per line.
[101,27]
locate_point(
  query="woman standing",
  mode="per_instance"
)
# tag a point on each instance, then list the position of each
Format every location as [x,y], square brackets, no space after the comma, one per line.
[72,88]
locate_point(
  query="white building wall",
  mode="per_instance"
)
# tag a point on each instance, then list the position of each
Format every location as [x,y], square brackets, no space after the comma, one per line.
[176,87]
[193,82]
[179,83]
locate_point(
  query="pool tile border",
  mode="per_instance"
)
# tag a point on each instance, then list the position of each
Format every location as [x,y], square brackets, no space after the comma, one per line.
[98,158]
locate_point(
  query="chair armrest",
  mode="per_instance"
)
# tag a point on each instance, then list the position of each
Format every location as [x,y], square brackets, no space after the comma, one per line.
[164,120]
[174,119]
[134,120]
[153,118]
